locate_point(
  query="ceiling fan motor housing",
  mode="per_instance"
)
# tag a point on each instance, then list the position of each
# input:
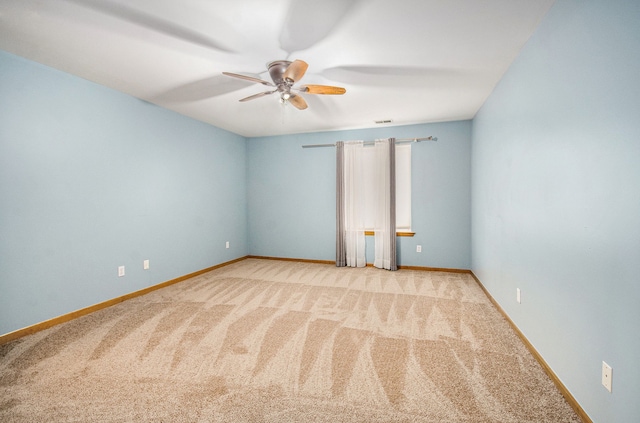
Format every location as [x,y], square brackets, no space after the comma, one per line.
[276,70]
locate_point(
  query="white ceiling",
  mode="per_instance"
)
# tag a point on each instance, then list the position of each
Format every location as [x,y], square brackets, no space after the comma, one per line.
[413,61]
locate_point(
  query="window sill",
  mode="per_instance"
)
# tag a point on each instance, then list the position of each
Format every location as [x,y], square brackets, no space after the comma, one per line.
[372,233]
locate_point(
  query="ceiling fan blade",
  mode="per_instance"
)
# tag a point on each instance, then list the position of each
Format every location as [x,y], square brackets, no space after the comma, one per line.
[295,70]
[298,102]
[402,76]
[310,21]
[154,23]
[322,89]
[201,89]
[253,97]
[249,78]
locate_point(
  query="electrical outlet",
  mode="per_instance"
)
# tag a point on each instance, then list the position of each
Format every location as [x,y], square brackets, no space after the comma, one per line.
[227,244]
[518,296]
[418,248]
[120,271]
[145,265]
[607,375]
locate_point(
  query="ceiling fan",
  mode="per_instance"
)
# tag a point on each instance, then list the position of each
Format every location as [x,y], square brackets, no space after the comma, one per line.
[284,75]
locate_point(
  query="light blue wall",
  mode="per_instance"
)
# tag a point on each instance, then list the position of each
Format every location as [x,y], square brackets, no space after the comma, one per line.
[291,195]
[91,179]
[556,199]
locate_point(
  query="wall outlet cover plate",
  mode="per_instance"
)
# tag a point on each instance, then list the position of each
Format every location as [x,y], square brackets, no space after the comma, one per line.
[607,374]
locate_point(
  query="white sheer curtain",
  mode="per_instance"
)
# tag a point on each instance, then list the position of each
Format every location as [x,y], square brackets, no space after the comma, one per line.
[341,250]
[365,200]
[353,193]
[385,204]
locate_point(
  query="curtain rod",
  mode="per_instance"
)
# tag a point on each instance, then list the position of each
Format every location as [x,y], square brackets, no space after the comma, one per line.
[398,141]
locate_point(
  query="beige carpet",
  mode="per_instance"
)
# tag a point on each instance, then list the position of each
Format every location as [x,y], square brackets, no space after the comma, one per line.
[276,341]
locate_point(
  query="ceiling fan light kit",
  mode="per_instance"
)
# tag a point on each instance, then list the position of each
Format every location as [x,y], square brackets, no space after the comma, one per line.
[284,75]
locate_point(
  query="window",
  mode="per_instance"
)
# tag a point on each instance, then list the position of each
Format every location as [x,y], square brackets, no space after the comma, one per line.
[403,188]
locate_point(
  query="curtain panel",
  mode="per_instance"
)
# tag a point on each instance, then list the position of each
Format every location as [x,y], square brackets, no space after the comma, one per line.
[353,204]
[341,248]
[385,205]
